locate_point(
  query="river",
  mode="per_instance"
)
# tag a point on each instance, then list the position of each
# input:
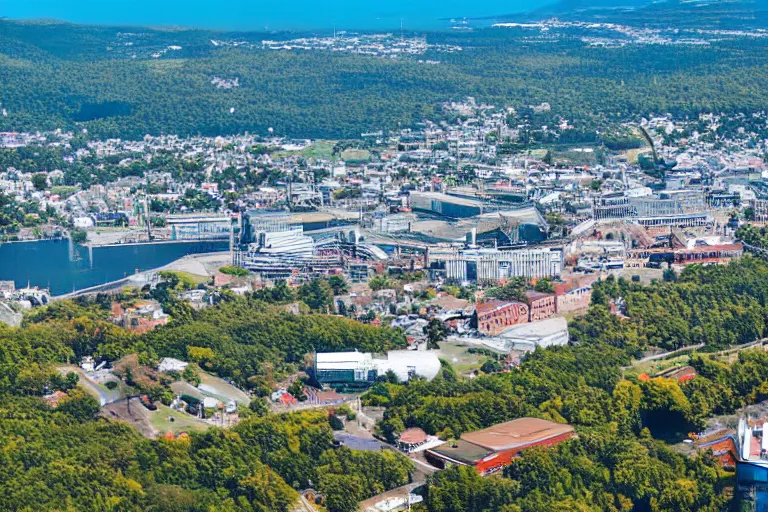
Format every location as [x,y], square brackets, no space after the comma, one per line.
[63,266]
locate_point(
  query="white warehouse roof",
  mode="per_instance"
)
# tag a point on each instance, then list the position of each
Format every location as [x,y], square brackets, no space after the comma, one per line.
[425,364]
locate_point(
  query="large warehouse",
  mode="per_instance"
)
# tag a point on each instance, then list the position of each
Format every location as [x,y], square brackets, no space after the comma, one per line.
[492,265]
[443,204]
[359,369]
[492,448]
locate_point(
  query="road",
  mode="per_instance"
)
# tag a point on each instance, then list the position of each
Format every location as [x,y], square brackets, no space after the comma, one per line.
[304,505]
[664,355]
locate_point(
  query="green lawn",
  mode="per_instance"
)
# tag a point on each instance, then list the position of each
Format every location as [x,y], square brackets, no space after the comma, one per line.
[652,368]
[464,361]
[322,150]
[182,422]
[189,277]
[357,155]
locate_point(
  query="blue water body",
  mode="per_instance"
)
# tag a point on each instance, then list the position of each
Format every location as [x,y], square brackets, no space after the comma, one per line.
[270,15]
[64,267]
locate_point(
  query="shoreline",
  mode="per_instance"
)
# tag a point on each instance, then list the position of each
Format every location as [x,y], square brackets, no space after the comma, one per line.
[59,239]
[140,278]
[152,242]
[38,263]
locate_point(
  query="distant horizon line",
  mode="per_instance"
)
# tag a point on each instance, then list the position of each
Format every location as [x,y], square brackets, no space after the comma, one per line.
[441,24]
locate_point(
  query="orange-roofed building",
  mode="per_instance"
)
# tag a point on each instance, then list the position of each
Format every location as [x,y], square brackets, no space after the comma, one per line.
[491,449]
[411,439]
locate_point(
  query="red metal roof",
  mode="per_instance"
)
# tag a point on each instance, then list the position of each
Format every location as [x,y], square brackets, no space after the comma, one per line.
[516,433]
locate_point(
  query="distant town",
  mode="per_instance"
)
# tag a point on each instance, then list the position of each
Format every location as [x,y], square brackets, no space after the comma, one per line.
[457,201]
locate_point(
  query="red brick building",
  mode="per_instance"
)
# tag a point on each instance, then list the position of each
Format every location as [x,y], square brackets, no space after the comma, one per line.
[492,448]
[495,316]
[541,305]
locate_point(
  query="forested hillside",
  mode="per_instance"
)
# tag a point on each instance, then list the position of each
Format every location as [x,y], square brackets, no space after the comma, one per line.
[66,459]
[615,464]
[67,76]
[241,338]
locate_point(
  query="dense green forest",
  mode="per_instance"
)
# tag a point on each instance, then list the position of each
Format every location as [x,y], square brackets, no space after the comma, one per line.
[716,305]
[68,76]
[67,460]
[754,236]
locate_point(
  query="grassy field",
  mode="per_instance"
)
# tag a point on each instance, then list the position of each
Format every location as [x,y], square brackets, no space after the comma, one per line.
[646,274]
[320,150]
[462,361]
[194,278]
[160,420]
[632,154]
[323,150]
[358,155]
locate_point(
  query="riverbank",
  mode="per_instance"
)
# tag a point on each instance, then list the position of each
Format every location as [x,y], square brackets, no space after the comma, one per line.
[203,266]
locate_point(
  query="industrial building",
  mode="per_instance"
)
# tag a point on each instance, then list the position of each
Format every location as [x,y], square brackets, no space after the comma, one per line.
[201,226]
[493,265]
[359,369]
[394,223]
[257,222]
[612,206]
[670,208]
[443,204]
[760,207]
[491,449]
[544,333]
[276,246]
[523,225]
[699,254]
[541,305]
[686,220]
